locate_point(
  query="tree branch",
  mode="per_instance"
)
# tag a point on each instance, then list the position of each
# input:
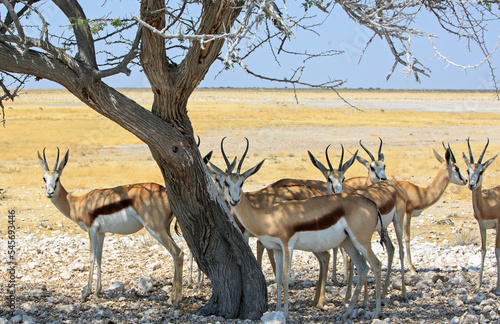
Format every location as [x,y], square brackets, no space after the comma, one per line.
[122,66]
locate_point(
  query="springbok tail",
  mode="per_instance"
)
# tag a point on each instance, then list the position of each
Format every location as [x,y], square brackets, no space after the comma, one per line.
[383,232]
[177,228]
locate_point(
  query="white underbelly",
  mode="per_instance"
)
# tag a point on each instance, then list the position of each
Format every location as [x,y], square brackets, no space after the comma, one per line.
[125,221]
[416,213]
[386,219]
[312,241]
[320,241]
[490,223]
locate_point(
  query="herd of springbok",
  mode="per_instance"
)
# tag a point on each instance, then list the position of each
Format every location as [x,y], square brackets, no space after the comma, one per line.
[308,215]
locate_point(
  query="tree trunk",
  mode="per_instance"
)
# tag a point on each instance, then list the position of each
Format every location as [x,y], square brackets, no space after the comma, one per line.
[238,285]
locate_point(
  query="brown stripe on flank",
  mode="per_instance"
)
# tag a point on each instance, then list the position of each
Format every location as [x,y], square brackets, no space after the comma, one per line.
[111,208]
[386,207]
[323,222]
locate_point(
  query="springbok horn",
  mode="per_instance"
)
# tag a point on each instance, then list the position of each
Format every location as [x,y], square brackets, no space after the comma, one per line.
[341,158]
[484,151]
[45,160]
[199,141]
[380,150]
[327,158]
[228,165]
[452,154]
[470,152]
[57,160]
[368,152]
[242,158]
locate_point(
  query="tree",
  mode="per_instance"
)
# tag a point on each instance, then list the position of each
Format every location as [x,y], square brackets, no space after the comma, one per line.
[175,43]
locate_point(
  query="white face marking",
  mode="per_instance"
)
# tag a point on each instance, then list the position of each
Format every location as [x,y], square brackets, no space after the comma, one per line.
[335,181]
[377,171]
[51,180]
[456,176]
[233,189]
[475,176]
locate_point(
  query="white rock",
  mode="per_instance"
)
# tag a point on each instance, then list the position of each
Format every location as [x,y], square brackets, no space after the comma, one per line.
[273,318]
[27,278]
[116,287]
[66,308]
[30,308]
[33,265]
[469,319]
[145,285]
[76,266]
[66,275]
[155,266]
[455,303]
[16,319]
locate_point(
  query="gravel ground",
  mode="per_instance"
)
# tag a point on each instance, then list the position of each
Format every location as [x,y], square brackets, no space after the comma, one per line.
[137,278]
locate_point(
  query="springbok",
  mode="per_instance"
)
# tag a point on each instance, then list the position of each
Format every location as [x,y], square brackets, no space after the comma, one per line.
[334,179]
[317,225]
[281,190]
[420,198]
[486,206]
[376,169]
[121,210]
[390,200]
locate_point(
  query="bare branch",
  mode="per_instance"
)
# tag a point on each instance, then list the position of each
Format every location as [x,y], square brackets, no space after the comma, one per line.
[122,66]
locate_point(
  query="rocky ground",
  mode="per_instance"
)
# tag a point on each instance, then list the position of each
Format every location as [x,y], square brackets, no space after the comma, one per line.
[138,272]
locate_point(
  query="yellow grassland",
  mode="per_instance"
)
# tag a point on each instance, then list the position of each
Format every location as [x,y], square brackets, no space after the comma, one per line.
[54,118]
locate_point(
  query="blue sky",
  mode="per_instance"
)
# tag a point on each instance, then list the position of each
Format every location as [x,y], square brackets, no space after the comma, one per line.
[341,33]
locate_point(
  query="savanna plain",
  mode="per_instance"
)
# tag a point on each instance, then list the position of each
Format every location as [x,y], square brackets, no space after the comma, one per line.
[52,253]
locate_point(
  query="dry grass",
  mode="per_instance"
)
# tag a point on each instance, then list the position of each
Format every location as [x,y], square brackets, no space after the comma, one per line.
[99,156]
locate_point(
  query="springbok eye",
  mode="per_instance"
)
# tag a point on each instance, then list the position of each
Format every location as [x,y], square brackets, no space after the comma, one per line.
[44,180]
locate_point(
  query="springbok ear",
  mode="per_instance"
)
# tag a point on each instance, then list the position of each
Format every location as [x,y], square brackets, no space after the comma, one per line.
[363,161]
[63,163]
[207,157]
[487,163]
[466,159]
[252,171]
[348,164]
[439,157]
[232,165]
[214,169]
[42,163]
[318,164]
